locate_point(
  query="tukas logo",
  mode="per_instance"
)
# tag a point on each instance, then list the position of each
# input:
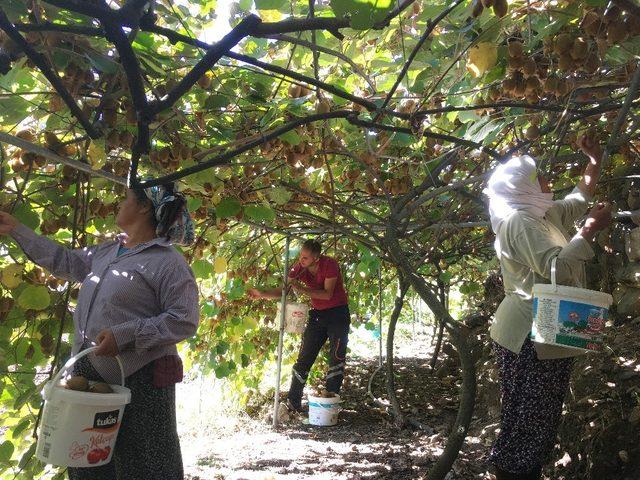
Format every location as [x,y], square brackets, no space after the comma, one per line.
[106,419]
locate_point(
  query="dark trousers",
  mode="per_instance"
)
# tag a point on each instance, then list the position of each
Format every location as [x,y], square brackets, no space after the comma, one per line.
[332,323]
[148,446]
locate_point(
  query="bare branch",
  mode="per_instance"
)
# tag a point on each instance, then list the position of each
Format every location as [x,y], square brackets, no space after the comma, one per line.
[37,149]
[214,53]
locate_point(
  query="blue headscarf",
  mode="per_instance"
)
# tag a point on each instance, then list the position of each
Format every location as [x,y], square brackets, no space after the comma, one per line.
[182,232]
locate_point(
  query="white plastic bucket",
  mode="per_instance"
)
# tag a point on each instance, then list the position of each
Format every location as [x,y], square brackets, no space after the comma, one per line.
[295,317]
[324,411]
[79,429]
[569,317]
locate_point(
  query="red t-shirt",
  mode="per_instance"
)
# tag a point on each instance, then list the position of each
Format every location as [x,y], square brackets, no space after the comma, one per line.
[327,268]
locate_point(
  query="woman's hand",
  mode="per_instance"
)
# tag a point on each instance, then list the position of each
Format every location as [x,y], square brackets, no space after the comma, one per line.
[590,146]
[7,223]
[107,346]
[598,219]
[254,293]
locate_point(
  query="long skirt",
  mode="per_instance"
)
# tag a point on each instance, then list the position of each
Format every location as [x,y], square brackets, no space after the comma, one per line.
[533,392]
[148,446]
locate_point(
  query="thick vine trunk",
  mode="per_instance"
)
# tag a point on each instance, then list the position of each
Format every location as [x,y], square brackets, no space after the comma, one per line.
[458,337]
[403,286]
[436,351]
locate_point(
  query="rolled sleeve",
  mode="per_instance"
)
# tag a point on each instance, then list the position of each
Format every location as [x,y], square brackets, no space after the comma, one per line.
[179,319]
[578,248]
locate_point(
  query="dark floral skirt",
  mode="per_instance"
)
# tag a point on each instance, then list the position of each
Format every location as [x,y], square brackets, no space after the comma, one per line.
[533,392]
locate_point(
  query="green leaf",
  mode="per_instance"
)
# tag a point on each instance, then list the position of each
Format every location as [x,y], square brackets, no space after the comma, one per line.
[201,269]
[215,102]
[27,216]
[228,207]
[363,14]
[34,297]
[291,137]
[270,4]
[21,427]
[6,451]
[260,213]
[27,456]
[102,63]
[279,195]
[222,348]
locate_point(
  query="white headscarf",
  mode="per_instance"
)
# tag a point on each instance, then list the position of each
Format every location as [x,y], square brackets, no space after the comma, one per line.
[514,186]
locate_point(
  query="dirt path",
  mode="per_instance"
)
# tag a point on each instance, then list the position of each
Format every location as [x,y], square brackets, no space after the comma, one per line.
[363,445]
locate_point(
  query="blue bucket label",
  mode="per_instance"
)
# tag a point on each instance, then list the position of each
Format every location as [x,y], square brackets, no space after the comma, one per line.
[576,324]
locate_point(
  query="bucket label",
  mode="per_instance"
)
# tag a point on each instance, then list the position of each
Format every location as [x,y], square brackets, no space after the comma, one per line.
[568,323]
[106,419]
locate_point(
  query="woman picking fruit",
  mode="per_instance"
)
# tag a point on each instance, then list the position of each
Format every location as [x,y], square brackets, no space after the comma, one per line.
[138,299]
[329,318]
[531,230]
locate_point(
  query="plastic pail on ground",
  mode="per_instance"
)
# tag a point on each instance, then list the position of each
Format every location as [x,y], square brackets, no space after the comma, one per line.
[569,317]
[295,317]
[324,411]
[79,429]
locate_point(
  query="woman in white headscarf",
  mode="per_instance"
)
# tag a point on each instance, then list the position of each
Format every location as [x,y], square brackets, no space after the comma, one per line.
[531,229]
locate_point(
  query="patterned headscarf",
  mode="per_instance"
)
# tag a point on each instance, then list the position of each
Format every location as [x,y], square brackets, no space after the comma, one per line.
[182,231]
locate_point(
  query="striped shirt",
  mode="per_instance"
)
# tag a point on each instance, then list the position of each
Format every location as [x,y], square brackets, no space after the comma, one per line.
[147,296]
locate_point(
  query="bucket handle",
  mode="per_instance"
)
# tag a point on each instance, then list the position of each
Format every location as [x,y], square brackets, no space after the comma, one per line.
[77,357]
[554,260]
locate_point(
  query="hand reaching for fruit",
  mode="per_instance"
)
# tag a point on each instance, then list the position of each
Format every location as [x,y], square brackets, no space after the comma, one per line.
[107,346]
[254,293]
[7,223]
[590,146]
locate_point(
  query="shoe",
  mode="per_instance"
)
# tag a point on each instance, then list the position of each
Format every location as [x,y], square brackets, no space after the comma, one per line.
[294,407]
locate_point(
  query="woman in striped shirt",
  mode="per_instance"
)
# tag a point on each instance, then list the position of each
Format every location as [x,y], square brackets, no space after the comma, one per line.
[137,300]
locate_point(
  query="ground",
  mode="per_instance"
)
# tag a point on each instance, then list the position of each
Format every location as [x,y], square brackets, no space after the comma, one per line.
[598,438]
[363,445]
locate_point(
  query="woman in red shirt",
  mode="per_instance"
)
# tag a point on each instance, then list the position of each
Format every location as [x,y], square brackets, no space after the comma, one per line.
[318,277]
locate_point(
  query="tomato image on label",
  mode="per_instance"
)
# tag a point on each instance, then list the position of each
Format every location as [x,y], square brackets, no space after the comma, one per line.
[95,456]
[105,452]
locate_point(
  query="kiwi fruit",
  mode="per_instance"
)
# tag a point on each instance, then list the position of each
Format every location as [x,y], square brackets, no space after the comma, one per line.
[550,85]
[592,63]
[204,81]
[532,132]
[500,8]
[616,33]
[323,106]
[580,49]
[295,90]
[509,85]
[515,48]
[563,43]
[565,62]
[77,382]
[27,135]
[529,66]
[591,23]
[100,387]
[532,84]
[515,63]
